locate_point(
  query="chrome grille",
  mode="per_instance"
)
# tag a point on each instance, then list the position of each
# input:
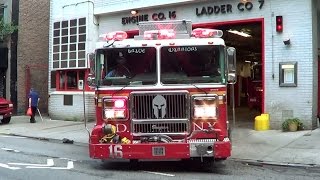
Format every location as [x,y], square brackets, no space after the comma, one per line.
[4,106]
[167,128]
[175,105]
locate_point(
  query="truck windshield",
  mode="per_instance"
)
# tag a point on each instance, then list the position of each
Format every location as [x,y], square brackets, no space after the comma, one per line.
[127,66]
[192,64]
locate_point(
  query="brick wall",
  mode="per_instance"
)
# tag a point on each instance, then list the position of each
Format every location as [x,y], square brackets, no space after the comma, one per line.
[59,111]
[32,47]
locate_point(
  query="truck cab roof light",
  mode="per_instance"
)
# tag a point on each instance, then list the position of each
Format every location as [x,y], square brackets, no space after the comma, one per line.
[206,33]
[159,34]
[116,35]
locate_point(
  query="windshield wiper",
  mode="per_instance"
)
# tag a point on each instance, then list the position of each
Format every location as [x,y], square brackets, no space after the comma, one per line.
[126,85]
[199,88]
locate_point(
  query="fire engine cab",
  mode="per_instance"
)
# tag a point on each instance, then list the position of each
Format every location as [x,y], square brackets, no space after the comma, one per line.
[163,94]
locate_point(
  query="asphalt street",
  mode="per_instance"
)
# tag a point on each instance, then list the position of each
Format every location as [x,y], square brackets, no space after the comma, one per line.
[25,158]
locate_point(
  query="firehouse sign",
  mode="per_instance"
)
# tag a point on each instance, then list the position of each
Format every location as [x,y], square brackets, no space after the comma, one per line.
[156,16]
[228,8]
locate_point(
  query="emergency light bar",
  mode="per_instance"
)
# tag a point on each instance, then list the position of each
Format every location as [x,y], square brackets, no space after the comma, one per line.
[116,35]
[206,33]
[159,34]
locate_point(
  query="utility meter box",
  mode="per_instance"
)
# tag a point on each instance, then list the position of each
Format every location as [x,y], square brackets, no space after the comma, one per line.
[80,84]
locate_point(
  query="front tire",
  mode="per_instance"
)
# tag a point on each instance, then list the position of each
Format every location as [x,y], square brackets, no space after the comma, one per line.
[6,120]
[213,165]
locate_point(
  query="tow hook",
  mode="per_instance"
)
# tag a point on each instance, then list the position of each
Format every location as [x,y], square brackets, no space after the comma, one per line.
[204,149]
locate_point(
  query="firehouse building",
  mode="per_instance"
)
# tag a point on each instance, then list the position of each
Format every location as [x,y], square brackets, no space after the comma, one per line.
[280,37]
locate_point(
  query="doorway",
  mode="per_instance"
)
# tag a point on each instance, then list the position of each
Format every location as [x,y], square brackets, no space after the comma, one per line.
[3,70]
[247,37]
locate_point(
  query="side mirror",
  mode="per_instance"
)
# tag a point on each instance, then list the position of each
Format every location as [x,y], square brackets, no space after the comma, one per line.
[91,61]
[92,66]
[231,60]
[91,80]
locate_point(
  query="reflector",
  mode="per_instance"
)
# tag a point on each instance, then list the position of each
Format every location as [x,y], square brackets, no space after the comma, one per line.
[206,33]
[117,36]
[159,34]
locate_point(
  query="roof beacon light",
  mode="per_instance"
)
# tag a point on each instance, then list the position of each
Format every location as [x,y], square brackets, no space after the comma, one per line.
[206,33]
[160,34]
[117,36]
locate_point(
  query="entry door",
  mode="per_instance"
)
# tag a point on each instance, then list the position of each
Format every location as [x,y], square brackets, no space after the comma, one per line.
[318,87]
[3,70]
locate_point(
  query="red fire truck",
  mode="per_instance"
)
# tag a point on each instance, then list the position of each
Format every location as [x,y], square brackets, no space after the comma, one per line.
[255,87]
[162,95]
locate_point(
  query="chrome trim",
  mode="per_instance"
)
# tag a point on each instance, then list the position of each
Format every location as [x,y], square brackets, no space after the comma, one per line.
[148,109]
[114,97]
[179,126]
[201,140]
[153,134]
[152,120]
[194,96]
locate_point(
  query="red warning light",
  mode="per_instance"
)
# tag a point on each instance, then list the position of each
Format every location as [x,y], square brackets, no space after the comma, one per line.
[279,24]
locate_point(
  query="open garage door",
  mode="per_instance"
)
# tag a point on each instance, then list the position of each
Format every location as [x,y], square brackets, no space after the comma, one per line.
[247,38]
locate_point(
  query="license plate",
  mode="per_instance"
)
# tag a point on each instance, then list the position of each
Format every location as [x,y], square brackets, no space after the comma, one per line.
[158,151]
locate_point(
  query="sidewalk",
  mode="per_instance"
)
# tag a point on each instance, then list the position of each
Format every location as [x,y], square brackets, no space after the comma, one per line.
[48,129]
[300,148]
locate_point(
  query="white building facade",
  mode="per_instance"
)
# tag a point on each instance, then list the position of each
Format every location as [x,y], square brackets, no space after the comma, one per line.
[75,26]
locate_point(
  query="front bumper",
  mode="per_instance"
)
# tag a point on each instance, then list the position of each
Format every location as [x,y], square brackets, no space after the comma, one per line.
[162,151]
[5,114]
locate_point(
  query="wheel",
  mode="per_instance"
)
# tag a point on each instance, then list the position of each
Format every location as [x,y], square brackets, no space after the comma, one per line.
[230,134]
[6,120]
[213,165]
[134,164]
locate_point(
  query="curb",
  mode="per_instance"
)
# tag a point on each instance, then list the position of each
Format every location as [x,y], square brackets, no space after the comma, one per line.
[47,139]
[273,163]
[245,161]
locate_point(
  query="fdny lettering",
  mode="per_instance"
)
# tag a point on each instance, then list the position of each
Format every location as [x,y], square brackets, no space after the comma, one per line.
[136,51]
[182,49]
[202,125]
[121,128]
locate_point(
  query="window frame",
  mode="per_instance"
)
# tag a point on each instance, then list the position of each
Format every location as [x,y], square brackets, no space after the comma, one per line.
[63,74]
[284,69]
[69,43]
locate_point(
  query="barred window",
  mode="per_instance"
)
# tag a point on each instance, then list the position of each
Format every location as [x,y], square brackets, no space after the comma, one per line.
[69,43]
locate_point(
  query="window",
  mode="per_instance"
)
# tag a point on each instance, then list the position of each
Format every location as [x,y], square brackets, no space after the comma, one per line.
[69,43]
[2,6]
[288,74]
[68,100]
[69,79]
[53,79]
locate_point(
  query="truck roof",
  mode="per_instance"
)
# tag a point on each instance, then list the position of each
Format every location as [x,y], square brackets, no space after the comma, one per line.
[164,42]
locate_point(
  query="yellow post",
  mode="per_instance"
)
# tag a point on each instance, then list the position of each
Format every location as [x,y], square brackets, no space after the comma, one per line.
[261,122]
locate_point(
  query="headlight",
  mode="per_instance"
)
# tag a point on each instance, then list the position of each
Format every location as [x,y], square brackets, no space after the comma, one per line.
[204,107]
[115,113]
[115,108]
[204,111]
